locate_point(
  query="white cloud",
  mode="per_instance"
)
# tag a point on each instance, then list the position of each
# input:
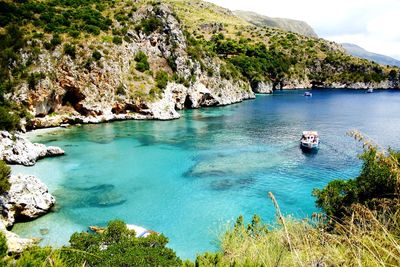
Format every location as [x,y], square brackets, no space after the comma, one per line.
[372,24]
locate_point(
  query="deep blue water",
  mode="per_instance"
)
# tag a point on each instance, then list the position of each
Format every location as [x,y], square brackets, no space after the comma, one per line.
[190,178]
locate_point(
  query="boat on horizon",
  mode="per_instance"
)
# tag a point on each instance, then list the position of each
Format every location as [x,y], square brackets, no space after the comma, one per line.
[309,94]
[370,90]
[309,141]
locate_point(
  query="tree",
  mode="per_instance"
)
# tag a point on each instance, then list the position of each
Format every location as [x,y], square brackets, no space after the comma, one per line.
[142,63]
[162,79]
[118,246]
[5,172]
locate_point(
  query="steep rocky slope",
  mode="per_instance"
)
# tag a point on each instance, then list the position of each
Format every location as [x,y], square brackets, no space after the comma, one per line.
[289,25]
[73,61]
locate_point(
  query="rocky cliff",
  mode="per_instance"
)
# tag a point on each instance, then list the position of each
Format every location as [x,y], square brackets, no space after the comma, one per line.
[77,89]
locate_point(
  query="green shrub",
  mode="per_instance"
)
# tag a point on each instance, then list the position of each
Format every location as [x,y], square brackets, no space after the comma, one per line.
[162,79]
[34,78]
[70,50]
[3,246]
[74,33]
[142,63]
[5,172]
[120,90]
[149,25]
[96,55]
[377,182]
[117,40]
[9,120]
[56,40]
[122,249]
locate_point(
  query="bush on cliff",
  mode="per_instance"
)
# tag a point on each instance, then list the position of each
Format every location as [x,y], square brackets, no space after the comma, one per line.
[9,120]
[5,172]
[161,79]
[142,63]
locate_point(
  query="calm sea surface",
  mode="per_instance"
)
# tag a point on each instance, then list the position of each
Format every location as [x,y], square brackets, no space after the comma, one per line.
[190,178]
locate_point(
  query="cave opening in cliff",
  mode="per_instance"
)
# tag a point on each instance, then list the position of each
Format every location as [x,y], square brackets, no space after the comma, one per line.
[188,102]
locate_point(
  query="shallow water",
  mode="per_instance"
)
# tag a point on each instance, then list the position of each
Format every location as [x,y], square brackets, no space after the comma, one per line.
[189,178]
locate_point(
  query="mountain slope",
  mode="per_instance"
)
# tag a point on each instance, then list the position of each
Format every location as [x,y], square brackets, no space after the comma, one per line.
[289,25]
[73,61]
[360,52]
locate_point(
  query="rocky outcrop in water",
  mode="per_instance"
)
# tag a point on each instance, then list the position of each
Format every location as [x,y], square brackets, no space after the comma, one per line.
[28,198]
[15,149]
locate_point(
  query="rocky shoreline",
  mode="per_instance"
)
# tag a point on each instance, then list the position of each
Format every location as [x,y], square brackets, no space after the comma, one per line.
[175,97]
[28,197]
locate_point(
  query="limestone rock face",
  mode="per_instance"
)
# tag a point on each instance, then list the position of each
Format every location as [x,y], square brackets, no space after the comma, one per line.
[264,88]
[27,198]
[15,149]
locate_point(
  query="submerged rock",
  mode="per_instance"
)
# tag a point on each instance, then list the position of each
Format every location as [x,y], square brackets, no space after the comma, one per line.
[28,198]
[15,149]
[235,164]
[103,195]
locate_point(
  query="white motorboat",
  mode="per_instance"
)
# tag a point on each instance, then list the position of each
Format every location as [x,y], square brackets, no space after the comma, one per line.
[309,140]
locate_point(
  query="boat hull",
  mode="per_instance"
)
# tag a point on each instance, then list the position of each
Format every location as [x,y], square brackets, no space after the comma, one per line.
[306,147]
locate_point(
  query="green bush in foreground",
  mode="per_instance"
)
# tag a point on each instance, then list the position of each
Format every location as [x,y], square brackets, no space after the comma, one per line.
[378,182]
[116,246]
[5,172]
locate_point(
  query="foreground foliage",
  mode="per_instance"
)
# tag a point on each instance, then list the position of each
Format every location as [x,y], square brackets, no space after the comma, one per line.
[365,241]
[362,227]
[116,246]
[377,187]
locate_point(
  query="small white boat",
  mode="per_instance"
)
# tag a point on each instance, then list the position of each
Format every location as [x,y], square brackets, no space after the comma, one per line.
[309,140]
[139,231]
[309,94]
[370,90]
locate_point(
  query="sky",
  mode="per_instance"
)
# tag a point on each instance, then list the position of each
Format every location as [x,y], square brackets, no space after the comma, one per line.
[371,24]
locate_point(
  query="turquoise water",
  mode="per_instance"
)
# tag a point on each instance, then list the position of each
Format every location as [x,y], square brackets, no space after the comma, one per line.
[190,178]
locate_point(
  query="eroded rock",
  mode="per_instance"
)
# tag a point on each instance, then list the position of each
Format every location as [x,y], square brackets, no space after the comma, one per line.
[28,198]
[15,149]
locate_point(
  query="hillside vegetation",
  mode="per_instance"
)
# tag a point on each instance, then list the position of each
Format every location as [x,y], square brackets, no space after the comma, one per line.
[56,54]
